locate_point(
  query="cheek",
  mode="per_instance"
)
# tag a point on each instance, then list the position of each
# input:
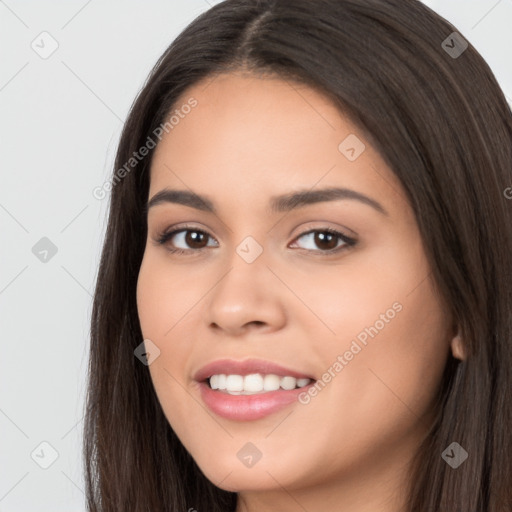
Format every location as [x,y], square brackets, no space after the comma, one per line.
[375,399]
[389,342]
[402,354]
[163,300]
[165,293]
[164,297]
[149,298]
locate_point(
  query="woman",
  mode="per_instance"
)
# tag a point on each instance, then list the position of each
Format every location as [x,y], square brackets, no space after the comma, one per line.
[304,298]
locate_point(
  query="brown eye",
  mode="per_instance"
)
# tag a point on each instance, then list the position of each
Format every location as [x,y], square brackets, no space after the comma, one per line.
[327,240]
[195,239]
[183,240]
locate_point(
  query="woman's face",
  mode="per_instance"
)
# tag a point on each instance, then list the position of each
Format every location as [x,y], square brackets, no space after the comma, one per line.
[261,278]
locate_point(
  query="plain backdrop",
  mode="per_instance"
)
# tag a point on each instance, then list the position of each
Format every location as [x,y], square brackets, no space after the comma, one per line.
[61,115]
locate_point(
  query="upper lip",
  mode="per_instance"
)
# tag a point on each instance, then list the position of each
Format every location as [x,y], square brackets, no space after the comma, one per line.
[246,367]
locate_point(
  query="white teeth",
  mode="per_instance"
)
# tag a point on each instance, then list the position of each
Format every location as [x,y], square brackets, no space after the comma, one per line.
[254,383]
[234,383]
[288,382]
[218,382]
[214,381]
[271,382]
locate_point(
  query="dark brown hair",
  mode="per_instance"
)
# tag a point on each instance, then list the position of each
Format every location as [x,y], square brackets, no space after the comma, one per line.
[442,124]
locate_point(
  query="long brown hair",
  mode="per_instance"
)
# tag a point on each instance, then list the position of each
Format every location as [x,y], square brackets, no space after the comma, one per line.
[437,116]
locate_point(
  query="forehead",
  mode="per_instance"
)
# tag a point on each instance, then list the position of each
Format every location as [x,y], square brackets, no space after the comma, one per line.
[250,136]
[238,113]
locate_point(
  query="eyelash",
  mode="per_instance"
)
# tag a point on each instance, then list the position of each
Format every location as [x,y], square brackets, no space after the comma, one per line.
[164,237]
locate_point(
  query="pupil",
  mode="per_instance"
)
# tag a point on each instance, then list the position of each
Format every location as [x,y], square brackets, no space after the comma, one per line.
[320,238]
[193,238]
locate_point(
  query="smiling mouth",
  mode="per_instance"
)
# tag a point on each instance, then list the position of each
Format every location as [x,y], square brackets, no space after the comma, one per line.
[255,383]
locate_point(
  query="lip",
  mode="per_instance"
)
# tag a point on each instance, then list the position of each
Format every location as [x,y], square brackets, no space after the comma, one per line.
[248,407]
[246,367]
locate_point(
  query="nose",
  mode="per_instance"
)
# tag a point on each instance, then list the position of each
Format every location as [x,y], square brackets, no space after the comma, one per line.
[248,297]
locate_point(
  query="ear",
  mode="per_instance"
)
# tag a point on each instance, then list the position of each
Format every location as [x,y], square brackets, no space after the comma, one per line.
[457,346]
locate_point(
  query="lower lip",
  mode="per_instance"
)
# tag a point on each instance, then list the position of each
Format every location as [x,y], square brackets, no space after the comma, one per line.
[248,407]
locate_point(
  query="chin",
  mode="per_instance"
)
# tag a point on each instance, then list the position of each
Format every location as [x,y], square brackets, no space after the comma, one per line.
[242,479]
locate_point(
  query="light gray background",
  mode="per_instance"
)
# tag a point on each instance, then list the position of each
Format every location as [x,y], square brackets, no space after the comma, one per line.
[60,120]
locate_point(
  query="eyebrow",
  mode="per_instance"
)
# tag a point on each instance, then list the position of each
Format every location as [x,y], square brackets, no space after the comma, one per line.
[282,203]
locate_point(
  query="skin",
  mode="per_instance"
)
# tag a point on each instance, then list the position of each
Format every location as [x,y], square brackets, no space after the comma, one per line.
[250,138]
